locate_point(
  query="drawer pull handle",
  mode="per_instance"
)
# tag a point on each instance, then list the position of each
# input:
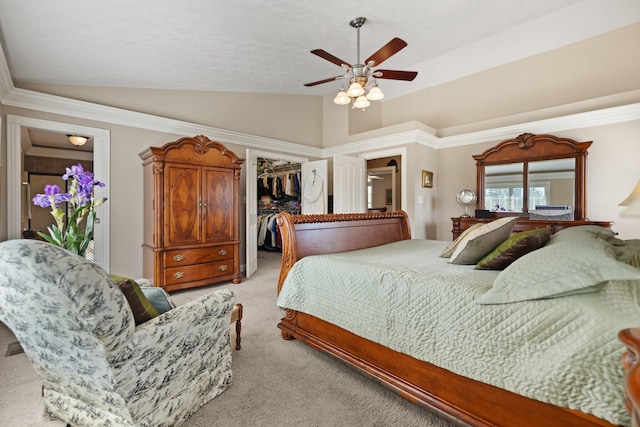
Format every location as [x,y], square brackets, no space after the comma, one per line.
[222,252]
[178,257]
[178,275]
[223,267]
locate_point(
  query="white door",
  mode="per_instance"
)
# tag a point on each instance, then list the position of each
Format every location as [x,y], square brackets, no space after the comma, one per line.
[251,202]
[349,184]
[314,187]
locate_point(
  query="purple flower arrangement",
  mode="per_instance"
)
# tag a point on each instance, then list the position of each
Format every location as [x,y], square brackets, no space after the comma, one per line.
[81,205]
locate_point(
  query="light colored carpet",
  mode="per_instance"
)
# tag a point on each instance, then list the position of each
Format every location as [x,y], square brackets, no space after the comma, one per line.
[275,382]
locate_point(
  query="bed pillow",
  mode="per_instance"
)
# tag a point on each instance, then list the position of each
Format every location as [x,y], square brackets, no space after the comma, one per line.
[513,248]
[482,240]
[627,251]
[588,232]
[141,307]
[448,251]
[565,268]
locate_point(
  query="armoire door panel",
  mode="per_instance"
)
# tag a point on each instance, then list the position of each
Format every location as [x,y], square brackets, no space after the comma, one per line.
[182,206]
[219,214]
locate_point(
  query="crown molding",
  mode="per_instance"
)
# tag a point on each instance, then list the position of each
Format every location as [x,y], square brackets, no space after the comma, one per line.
[6,82]
[22,98]
[606,116]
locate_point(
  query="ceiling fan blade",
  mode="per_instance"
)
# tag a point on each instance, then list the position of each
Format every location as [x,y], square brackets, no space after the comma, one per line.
[319,82]
[386,51]
[395,75]
[326,55]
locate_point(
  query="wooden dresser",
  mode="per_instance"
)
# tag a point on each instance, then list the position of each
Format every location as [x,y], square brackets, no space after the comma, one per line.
[191,211]
[523,224]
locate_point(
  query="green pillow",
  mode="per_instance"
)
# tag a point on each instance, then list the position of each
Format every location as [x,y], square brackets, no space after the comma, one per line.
[140,305]
[482,240]
[513,248]
[561,269]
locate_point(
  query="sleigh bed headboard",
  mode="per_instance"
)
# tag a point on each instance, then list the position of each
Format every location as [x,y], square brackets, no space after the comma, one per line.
[304,235]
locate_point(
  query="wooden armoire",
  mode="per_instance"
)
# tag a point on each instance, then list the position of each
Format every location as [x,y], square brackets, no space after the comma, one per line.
[191,213]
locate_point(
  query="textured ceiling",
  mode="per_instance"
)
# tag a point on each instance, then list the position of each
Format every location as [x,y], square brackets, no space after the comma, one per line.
[249,46]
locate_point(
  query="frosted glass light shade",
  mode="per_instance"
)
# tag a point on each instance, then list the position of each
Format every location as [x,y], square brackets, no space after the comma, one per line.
[375,94]
[77,139]
[361,102]
[355,90]
[342,98]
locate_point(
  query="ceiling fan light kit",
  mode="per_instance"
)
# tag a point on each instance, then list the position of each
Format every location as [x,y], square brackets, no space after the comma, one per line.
[363,87]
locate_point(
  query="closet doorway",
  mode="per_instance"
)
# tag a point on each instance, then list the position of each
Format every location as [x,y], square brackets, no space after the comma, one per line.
[279,165]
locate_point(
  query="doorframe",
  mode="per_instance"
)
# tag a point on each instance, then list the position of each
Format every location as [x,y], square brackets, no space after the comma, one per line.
[251,191]
[398,151]
[101,168]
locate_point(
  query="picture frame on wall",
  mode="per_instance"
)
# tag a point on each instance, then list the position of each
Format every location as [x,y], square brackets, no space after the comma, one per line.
[427,179]
[388,196]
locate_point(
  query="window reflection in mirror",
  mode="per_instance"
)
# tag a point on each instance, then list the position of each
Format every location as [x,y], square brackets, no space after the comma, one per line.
[552,182]
[503,187]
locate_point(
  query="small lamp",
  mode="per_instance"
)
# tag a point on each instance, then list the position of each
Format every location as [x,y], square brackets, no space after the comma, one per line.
[632,202]
[77,140]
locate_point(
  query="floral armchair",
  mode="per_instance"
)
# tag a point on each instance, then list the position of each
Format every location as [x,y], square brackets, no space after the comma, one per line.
[97,367]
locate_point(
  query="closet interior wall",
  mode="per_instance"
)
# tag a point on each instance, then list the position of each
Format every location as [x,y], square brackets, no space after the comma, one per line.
[279,189]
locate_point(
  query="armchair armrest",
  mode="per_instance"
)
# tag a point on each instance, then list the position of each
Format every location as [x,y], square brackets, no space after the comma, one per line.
[188,347]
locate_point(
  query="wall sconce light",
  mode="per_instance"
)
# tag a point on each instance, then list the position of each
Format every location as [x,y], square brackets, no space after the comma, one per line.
[77,140]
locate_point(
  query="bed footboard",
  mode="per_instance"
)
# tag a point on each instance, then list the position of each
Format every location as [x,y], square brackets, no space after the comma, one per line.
[631,338]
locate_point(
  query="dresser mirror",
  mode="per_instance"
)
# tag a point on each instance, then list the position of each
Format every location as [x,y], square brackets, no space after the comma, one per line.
[552,169]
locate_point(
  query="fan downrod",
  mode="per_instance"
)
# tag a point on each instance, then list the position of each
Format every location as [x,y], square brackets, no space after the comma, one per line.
[358,22]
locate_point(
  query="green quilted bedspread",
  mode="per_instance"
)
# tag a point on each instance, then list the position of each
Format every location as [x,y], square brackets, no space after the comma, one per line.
[562,351]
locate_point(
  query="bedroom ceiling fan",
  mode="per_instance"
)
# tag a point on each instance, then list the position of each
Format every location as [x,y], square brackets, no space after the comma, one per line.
[363,87]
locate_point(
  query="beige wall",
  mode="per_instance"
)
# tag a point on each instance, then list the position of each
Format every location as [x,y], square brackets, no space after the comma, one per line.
[293,118]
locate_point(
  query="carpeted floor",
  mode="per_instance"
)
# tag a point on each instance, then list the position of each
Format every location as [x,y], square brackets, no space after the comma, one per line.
[275,382]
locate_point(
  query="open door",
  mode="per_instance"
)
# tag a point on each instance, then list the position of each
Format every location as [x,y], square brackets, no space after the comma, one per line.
[349,184]
[251,203]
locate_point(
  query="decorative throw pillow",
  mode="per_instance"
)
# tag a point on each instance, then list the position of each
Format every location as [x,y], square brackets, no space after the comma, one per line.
[448,251]
[141,307]
[565,268]
[513,248]
[482,240]
[158,297]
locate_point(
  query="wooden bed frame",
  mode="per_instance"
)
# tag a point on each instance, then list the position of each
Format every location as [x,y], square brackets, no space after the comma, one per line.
[456,398]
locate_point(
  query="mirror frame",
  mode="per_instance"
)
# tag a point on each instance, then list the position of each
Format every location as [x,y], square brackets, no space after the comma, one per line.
[528,147]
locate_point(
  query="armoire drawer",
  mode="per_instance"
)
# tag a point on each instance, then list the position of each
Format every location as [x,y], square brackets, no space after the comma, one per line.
[197,256]
[192,273]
